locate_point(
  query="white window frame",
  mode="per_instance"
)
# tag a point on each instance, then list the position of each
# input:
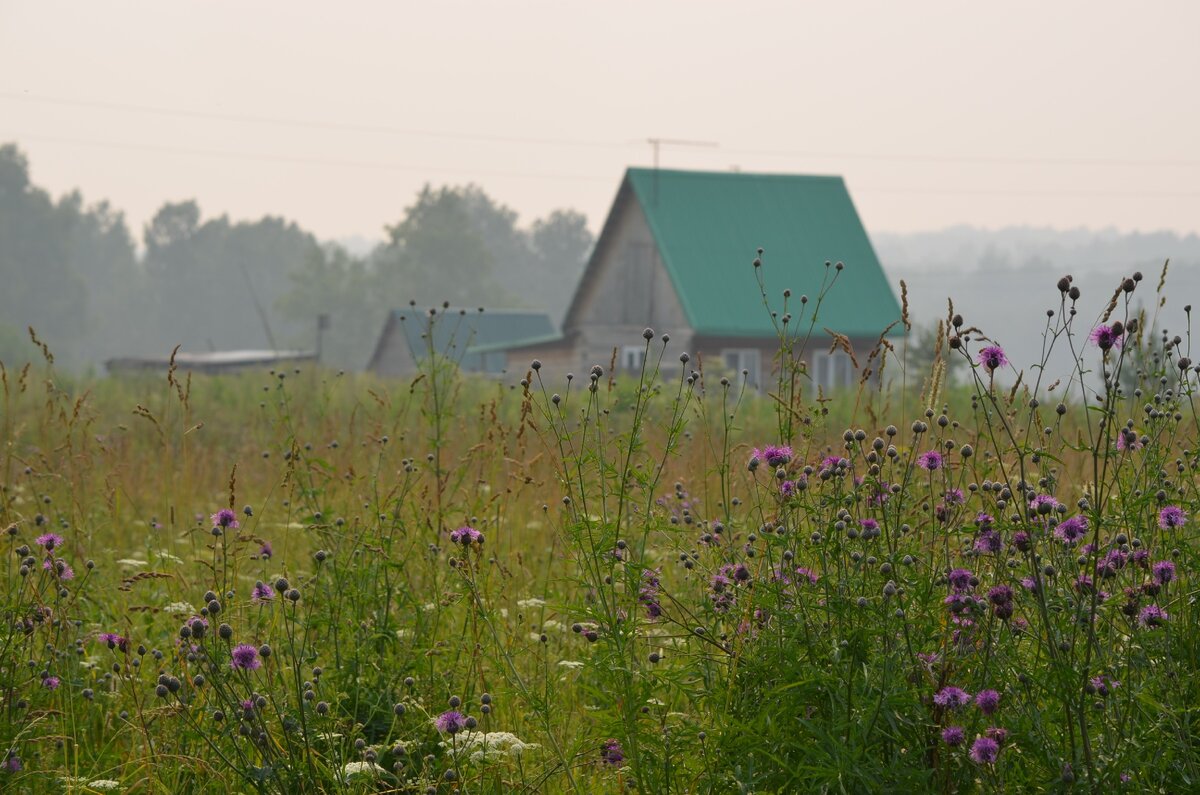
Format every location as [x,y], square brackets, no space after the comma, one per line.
[633,357]
[832,370]
[748,359]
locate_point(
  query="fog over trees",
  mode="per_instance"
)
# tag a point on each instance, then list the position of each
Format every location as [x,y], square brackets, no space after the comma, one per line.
[74,272]
[1003,281]
[94,289]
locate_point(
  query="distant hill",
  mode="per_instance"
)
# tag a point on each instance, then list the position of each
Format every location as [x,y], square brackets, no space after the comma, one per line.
[1004,281]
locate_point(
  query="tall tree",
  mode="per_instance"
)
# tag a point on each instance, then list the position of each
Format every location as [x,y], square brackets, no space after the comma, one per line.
[56,261]
[561,247]
[334,283]
[215,283]
[437,253]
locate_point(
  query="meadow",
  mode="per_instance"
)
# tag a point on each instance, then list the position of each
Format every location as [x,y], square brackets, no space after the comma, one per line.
[664,581]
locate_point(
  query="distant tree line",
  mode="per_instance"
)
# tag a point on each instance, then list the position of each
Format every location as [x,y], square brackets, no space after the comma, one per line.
[74,273]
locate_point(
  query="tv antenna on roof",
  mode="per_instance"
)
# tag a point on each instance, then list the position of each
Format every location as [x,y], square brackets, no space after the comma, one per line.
[657,143]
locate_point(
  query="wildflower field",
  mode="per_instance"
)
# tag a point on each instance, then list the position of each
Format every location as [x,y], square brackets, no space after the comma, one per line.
[658,581]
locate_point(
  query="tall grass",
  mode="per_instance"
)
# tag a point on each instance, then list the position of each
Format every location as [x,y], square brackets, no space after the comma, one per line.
[310,582]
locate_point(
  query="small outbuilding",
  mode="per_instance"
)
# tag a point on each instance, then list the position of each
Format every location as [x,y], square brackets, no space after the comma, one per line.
[473,338]
[212,362]
[676,255]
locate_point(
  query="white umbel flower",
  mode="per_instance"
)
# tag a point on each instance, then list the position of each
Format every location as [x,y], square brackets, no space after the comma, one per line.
[489,745]
[361,770]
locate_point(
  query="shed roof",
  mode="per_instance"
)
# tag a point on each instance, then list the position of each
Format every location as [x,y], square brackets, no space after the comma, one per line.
[210,361]
[708,226]
[464,334]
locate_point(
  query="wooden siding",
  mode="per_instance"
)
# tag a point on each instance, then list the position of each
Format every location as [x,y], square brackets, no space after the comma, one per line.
[629,292]
[392,356]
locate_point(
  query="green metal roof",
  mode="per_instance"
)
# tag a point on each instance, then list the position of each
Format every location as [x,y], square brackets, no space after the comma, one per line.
[514,344]
[467,335]
[708,226]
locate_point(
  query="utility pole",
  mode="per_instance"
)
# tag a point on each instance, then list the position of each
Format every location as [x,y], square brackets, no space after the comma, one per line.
[322,327]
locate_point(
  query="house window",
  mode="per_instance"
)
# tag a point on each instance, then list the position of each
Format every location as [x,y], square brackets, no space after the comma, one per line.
[632,358]
[832,370]
[747,359]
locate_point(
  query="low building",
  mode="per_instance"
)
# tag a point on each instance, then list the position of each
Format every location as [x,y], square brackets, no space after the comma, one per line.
[210,361]
[468,337]
[676,255]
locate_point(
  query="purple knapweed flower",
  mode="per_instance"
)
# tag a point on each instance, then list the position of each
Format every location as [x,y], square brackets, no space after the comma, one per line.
[1001,599]
[114,641]
[1127,439]
[262,593]
[1152,616]
[245,658]
[961,605]
[648,593]
[997,733]
[807,574]
[51,682]
[830,464]
[1106,337]
[265,550]
[989,542]
[450,722]
[1171,517]
[988,701]
[773,455]
[13,763]
[225,519]
[953,735]
[1164,571]
[870,527]
[1022,540]
[1000,594]
[611,753]
[1104,685]
[960,579]
[952,698]
[50,541]
[1110,564]
[984,751]
[1069,531]
[1044,504]
[466,536]
[60,568]
[992,357]
[930,460]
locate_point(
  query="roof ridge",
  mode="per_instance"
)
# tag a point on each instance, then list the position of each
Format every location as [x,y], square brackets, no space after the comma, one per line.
[681,172]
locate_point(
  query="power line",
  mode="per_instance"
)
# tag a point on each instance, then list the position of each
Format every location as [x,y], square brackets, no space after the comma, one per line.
[577,142]
[382,165]
[274,158]
[982,159]
[1020,192]
[311,123]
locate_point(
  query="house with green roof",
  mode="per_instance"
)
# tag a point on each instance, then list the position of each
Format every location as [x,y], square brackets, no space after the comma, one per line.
[676,255]
[472,338]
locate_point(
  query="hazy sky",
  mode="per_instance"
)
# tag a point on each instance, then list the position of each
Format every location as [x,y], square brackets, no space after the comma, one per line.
[335,113]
